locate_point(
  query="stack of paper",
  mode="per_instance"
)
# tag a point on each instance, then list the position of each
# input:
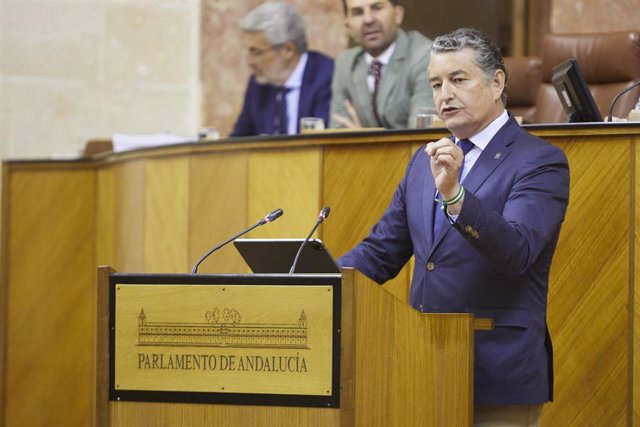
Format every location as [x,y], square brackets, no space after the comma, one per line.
[132,141]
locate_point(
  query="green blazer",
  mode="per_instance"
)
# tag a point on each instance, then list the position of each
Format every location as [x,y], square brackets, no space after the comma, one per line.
[404,86]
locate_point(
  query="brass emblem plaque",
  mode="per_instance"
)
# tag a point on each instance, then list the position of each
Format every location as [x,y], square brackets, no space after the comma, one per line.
[223,339]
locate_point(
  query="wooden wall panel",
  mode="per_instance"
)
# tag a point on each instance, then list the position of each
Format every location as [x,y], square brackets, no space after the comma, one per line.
[217,209]
[588,293]
[166,215]
[289,179]
[55,215]
[359,182]
[389,357]
[130,205]
[156,414]
[4,289]
[106,216]
[51,302]
[635,290]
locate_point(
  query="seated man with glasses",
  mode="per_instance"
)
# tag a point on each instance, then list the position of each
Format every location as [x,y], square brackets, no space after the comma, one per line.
[288,82]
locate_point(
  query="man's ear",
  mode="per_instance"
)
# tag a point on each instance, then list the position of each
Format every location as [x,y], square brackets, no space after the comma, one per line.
[399,14]
[498,84]
[289,48]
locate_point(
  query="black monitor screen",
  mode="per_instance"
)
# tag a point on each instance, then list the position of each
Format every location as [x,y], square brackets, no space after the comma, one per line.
[277,256]
[574,93]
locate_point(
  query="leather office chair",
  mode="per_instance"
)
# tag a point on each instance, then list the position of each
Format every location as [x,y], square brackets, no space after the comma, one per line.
[523,83]
[610,62]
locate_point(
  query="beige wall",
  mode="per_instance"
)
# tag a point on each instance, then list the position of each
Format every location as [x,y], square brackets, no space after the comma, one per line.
[71,71]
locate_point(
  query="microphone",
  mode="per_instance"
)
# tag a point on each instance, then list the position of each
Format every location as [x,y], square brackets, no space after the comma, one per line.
[324,213]
[270,217]
[613,103]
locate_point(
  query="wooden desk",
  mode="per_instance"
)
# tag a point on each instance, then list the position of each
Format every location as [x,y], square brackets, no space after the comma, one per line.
[158,210]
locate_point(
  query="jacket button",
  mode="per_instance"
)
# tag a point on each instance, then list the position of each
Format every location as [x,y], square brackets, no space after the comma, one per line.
[431,266]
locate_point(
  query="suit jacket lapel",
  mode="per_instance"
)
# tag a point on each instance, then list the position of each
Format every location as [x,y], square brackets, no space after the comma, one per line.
[495,153]
[362,96]
[391,71]
[492,156]
[428,194]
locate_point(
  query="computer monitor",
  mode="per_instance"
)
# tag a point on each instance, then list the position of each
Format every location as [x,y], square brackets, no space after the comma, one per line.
[574,93]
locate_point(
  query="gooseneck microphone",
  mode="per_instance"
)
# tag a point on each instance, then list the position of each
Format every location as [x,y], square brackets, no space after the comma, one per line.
[270,217]
[613,103]
[324,213]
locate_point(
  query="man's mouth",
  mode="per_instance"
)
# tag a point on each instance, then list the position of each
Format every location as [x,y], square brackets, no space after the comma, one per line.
[448,110]
[368,34]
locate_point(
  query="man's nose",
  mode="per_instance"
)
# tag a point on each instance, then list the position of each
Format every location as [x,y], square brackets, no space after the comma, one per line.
[251,59]
[367,15]
[446,92]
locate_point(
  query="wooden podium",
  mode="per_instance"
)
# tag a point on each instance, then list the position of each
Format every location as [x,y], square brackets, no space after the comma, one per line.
[391,364]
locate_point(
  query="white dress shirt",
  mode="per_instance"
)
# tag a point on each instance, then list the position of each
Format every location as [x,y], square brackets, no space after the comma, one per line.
[294,84]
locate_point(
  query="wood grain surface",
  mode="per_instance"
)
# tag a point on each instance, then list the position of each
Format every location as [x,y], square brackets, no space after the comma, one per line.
[158,210]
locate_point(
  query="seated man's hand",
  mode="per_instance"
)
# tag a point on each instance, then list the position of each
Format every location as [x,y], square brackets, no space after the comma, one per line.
[349,122]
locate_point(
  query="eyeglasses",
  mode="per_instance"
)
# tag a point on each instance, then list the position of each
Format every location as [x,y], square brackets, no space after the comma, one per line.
[256,53]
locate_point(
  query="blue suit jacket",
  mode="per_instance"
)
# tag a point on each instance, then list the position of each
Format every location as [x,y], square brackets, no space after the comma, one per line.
[493,262]
[258,111]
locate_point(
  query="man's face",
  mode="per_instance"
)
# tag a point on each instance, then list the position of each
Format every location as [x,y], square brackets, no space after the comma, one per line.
[268,63]
[373,24]
[465,100]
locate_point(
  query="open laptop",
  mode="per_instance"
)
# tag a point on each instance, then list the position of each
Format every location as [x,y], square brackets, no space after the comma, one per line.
[277,255]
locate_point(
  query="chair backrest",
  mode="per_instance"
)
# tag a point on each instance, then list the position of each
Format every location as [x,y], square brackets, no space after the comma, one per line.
[610,63]
[523,83]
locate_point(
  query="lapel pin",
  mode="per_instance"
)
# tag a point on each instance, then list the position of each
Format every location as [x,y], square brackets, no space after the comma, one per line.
[497,156]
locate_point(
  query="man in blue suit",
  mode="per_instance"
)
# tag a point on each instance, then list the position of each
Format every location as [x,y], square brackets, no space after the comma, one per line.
[289,82]
[485,245]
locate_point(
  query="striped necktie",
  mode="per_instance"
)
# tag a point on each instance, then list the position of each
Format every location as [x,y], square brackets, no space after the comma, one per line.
[375,69]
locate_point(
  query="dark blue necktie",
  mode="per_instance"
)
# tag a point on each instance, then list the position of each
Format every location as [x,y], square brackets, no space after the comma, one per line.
[439,218]
[466,146]
[280,118]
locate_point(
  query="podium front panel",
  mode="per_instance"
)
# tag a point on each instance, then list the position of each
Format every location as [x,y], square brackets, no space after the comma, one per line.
[241,339]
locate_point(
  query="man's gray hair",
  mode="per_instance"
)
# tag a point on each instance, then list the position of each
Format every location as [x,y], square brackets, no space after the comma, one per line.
[487,54]
[279,22]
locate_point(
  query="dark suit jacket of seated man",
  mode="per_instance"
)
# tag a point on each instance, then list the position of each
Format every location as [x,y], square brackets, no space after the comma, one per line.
[259,108]
[499,225]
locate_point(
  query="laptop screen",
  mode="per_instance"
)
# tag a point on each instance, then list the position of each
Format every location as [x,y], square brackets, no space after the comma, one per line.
[277,255]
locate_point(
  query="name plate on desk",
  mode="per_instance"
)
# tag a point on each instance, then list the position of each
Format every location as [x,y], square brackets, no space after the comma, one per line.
[233,341]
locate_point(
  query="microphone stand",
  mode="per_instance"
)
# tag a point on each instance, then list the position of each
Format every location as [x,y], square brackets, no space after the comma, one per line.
[269,218]
[324,213]
[613,103]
